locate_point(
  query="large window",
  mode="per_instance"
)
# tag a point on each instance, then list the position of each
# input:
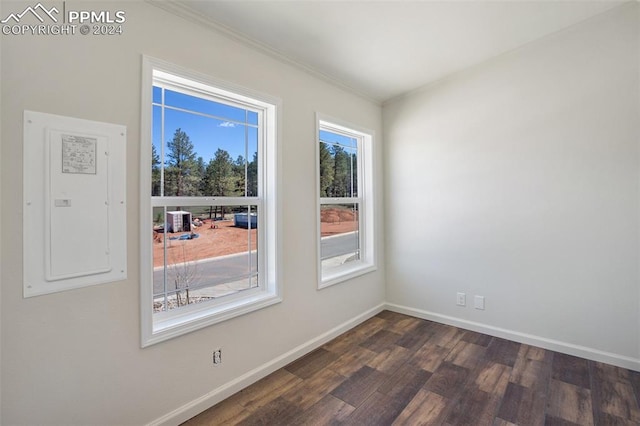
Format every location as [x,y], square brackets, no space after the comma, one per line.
[209,212]
[345,207]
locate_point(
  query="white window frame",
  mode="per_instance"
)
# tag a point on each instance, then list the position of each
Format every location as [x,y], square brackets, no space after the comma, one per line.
[158,327]
[365,201]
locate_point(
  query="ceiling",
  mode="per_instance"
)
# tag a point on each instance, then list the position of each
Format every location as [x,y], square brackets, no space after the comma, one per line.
[382,49]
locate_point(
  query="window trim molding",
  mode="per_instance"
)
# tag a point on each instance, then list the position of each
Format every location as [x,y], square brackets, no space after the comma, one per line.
[367,218]
[196,317]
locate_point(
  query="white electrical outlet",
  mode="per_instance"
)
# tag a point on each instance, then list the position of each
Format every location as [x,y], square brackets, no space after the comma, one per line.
[478,302]
[217,357]
[461,299]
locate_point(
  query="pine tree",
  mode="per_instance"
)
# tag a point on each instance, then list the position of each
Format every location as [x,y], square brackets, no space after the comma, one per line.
[219,178]
[239,173]
[252,176]
[199,173]
[342,173]
[155,172]
[327,170]
[180,176]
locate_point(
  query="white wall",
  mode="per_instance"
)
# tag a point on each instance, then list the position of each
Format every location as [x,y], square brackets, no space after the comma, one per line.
[518,180]
[74,357]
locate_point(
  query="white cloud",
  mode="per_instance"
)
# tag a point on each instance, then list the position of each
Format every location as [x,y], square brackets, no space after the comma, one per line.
[226,124]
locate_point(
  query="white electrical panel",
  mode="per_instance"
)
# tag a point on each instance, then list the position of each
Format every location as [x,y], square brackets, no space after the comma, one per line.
[74,194]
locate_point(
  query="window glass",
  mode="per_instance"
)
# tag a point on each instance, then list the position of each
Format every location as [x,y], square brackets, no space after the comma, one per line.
[204,106]
[202,252]
[339,228]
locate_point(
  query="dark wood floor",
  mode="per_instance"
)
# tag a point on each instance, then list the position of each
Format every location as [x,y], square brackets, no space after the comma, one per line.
[400,370]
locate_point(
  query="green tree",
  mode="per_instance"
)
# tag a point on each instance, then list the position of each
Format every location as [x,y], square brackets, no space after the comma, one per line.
[223,178]
[239,173]
[180,175]
[327,171]
[155,172]
[200,170]
[219,177]
[342,173]
[354,174]
[252,176]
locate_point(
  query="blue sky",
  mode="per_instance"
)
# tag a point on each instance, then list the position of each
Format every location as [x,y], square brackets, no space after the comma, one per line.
[336,138]
[214,125]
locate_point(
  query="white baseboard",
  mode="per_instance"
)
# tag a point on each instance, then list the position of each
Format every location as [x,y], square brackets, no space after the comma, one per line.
[529,339]
[191,409]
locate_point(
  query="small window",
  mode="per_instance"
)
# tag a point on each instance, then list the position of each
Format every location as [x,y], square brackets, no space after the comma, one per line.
[208,221]
[345,202]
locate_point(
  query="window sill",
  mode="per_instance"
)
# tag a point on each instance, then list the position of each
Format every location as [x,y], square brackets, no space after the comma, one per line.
[344,273]
[203,316]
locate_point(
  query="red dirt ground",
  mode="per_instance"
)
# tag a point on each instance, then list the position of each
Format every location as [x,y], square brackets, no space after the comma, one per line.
[337,221]
[224,238]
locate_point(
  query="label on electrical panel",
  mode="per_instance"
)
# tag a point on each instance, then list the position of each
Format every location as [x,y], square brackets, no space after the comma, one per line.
[79,154]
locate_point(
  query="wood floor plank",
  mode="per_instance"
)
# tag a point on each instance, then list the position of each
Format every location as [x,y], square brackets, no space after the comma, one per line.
[311,363]
[523,406]
[378,409]
[448,380]
[570,402]
[503,351]
[417,337]
[359,386]
[405,383]
[610,372]
[345,342]
[493,378]
[429,356]
[426,408]
[532,368]
[371,326]
[447,336]
[608,419]
[352,360]
[226,412]
[404,326]
[466,354]
[474,407]
[328,411]
[476,338]
[390,359]
[392,317]
[501,422]
[634,378]
[480,399]
[380,341]
[533,353]
[266,390]
[313,389]
[510,407]
[613,395]
[554,421]
[571,369]
[280,411]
